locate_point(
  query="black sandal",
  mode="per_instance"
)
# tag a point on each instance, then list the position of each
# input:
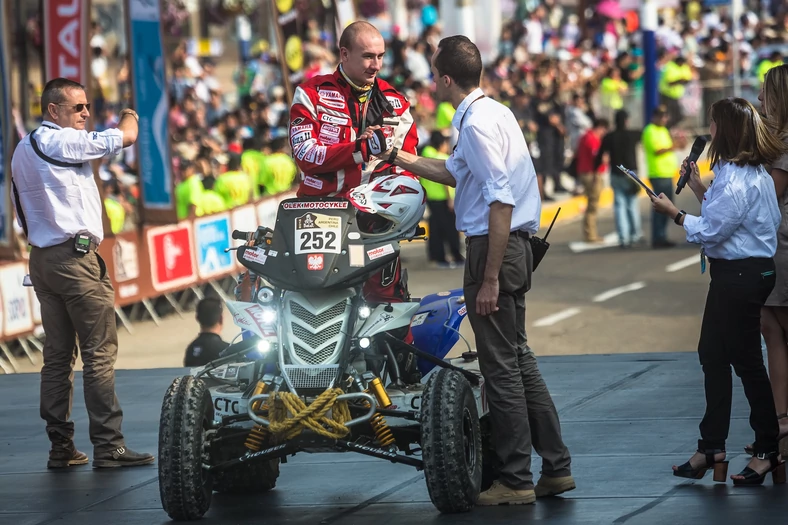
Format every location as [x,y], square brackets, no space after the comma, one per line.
[776,467]
[720,467]
[748,448]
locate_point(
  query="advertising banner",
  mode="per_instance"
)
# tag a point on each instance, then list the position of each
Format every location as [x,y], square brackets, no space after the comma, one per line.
[244,219]
[291,52]
[149,91]
[171,257]
[17,310]
[212,237]
[6,135]
[66,40]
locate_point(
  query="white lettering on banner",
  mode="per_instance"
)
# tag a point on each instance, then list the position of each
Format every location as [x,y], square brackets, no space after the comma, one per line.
[126,262]
[331,119]
[17,311]
[315,205]
[321,155]
[313,183]
[395,102]
[64,32]
[301,137]
[255,255]
[330,130]
[330,94]
[128,290]
[380,251]
[296,129]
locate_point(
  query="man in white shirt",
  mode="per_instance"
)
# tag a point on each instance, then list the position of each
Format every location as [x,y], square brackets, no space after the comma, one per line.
[58,206]
[498,207]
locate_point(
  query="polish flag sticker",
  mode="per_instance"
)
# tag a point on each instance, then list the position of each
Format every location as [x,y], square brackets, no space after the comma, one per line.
[315,262]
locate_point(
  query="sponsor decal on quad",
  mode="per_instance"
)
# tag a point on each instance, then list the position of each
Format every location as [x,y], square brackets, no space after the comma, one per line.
[256,312]
[226,406]
[331,119]
[419,319]
[312,183]
[463,310]
[255,255]
[297,129]
[272,253]
[314,206]
[379,252]
[315,262]
[321,155]
[395,102]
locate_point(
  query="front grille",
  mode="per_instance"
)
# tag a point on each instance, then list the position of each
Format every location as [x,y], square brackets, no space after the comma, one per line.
[314,359]
[315,321]
[319,339]
[318,377]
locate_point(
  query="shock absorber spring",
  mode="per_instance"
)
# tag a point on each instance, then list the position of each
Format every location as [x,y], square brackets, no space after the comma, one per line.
[378,422]
[256,438]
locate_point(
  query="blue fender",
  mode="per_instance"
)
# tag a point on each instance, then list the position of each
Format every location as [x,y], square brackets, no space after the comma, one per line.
[429,325]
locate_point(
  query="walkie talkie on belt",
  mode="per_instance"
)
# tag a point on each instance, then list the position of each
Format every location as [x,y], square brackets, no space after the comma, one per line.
[539,246]
[81,243]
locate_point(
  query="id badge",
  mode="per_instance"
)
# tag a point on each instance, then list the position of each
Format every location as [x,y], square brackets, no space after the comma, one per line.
[702,261]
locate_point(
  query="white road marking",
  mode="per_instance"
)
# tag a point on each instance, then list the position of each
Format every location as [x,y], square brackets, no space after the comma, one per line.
[557,317]
[604,296]
[684,263]
[611,239]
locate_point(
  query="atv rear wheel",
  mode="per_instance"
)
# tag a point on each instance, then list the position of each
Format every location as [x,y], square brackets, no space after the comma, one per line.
[186,414]
[451,442]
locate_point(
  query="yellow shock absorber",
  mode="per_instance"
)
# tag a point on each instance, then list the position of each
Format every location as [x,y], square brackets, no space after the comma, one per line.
[378,421]
[258,434]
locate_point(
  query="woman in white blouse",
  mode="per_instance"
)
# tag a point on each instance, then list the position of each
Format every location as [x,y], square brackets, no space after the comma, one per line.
[737,230]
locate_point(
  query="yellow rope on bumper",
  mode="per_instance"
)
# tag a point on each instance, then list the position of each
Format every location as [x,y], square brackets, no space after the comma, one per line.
[289,415]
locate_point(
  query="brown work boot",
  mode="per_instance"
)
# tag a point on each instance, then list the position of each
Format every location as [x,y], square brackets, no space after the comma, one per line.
[121,457]
[500,494]
[550,486]
[65,454]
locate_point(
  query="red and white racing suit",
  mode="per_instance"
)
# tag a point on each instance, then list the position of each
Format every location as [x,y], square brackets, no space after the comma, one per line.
[326,117]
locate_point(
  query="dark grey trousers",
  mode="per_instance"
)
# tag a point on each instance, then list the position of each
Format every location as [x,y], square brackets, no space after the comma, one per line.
[77,301]
[522,412]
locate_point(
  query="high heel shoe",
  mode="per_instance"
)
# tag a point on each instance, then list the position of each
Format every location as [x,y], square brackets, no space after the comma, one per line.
[780,439]
[776,467]
[720,467]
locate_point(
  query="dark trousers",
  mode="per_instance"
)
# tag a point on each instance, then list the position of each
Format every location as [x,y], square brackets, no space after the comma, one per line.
[77,301]
[659,222]
[521,409]
[731,335]
[443,231]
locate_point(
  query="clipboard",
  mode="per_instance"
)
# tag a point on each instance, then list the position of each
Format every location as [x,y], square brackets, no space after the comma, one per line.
[634,177]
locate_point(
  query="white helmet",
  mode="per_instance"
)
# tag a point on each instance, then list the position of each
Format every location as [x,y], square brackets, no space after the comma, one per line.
[389,207]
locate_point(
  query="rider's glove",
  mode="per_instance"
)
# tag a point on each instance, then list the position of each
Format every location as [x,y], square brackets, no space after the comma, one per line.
[381,141]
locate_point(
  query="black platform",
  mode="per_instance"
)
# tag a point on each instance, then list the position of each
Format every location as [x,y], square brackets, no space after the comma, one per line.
[626,419]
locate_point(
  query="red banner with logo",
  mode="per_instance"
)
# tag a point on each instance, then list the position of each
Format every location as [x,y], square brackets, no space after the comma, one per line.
[66,40]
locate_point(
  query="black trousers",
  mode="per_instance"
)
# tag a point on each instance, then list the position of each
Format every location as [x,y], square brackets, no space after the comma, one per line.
[522,411]
[442,231]
[731,336]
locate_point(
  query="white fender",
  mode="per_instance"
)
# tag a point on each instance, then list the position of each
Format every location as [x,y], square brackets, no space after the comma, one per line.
[249,316]
[382,321]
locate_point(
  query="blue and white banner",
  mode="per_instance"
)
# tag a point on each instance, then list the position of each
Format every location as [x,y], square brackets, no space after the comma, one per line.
[151,103]
[212,237]
[6,131]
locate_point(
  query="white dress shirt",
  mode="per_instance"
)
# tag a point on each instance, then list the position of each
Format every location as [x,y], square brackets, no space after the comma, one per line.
[739,214]
[57,191]
[491,163]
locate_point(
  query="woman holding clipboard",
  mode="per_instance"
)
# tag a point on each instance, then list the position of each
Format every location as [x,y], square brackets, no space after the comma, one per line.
[737,230]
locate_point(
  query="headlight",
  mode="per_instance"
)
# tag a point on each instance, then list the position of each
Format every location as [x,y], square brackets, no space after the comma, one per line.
[263,347]
[364,312]
[269,315]
[265,295]
[364,342]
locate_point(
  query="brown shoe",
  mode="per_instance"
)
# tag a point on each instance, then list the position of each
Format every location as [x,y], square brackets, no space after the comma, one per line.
[65,454]
[122,457]
[549,486]
[500,494]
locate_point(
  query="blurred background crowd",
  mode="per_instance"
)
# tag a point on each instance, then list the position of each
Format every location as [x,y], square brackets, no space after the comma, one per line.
[557,65]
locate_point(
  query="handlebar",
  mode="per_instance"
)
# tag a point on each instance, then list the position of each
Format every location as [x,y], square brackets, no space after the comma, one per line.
[239,235]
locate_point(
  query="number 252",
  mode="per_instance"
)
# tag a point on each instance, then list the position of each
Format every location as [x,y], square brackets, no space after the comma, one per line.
[318,240]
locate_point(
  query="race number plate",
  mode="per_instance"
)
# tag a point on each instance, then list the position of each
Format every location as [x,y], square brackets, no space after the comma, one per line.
[317,233]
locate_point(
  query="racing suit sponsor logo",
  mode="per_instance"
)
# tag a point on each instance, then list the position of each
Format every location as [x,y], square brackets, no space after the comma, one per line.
[310,156]
[314,205]
[297,121]
[336,104]
[331,119]
[330,94]
[312,183]
[395,102]
[330,130]
[298,138]
[320,157]
[328,140]
[304,148]
[296,129]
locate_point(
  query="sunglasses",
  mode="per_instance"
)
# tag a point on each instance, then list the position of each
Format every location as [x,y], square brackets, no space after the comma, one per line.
[78,107]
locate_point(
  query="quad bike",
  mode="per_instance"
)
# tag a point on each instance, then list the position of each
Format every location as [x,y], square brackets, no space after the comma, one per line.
[318,369]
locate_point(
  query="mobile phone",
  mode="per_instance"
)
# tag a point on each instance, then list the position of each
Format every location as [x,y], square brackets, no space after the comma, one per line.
[634,177]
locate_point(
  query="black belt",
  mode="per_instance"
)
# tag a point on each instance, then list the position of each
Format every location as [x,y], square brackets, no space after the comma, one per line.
[520,233]
[70,242]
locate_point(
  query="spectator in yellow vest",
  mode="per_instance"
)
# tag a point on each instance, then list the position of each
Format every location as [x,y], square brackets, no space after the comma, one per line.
[209,200]
[672,85]
[278,171]
[187,190]
[774,60]
[440,202]
[234,185]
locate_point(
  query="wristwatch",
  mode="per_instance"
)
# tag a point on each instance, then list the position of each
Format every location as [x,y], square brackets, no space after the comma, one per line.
[129,111]
[678,217]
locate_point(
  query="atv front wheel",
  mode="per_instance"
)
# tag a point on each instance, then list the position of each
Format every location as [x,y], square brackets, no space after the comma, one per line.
[186,414]
[451,442]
